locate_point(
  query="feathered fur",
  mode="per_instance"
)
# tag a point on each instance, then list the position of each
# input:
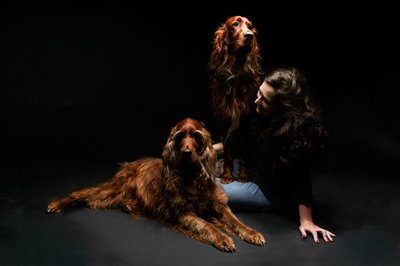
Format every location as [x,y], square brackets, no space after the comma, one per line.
[178,189]
[236,74]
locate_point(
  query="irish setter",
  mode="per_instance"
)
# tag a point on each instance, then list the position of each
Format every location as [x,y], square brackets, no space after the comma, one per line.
[178,189]
[236,74]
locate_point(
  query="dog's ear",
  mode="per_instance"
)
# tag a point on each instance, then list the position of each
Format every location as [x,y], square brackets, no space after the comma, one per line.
[172,133]
[219,53]
[209,156]
[169,144]
[254,58]
[220,40]
[255,48]
[208,152]
[170,154]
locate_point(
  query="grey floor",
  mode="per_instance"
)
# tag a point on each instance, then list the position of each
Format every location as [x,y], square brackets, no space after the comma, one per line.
[361,209]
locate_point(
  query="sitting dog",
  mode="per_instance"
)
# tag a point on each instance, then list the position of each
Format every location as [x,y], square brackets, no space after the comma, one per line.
[236,74]
[178,189]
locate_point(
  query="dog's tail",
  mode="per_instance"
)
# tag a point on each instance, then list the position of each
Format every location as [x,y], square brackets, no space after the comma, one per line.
[103,196]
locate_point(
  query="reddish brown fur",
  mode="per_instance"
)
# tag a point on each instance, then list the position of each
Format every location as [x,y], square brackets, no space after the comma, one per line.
[236,73]
[178,189]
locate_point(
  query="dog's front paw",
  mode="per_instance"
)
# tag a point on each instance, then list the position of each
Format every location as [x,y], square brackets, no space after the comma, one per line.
[53,207]
[253,237]
[226,179]
[243,179]
[242,176]
[225,244]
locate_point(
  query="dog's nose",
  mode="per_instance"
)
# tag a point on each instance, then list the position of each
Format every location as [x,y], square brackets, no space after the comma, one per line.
[186,153]
[249,36]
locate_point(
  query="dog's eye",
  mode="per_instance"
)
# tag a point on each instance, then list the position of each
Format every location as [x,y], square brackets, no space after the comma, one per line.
[178,136]
[198,137]
[235,24]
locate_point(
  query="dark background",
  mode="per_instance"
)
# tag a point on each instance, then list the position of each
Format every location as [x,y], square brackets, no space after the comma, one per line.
[84,86]
[107,80]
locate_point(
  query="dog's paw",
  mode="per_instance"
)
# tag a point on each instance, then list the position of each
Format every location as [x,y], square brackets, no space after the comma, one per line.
[53,207]
[243,179]
[242,176]
[226,179]
[253,237]
[225,244]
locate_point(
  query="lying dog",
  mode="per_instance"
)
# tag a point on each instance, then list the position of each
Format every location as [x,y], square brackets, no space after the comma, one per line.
[178,189]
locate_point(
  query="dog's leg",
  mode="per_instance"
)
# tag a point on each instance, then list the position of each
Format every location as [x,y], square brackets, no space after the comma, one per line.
[102,197]
[242,176]
[243,231]
[227,167]
[199,229]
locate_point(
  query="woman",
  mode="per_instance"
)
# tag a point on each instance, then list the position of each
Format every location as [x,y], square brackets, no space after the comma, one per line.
[285,140]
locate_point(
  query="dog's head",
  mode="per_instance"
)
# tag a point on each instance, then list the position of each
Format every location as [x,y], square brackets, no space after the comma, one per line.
[233,39]
[236,33]
[190,145]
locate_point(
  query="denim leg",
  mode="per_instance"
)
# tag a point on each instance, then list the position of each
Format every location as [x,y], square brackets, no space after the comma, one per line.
[244,196]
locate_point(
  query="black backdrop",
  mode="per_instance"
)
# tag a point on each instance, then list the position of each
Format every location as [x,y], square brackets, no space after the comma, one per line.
[105,81]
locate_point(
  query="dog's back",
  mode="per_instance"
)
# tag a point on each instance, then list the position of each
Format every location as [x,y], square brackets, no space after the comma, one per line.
[140,185]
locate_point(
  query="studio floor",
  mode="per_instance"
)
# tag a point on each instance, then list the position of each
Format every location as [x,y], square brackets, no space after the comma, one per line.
[361,209]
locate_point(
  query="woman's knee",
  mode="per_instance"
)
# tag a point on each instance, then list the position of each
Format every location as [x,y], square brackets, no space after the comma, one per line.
[246,196]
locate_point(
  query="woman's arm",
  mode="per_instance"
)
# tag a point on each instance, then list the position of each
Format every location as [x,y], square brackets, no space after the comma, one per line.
[307,225]
[219,147]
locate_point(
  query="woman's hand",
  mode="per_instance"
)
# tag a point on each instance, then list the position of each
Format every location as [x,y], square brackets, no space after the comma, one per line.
[219,147]
[312,228]
[308,226]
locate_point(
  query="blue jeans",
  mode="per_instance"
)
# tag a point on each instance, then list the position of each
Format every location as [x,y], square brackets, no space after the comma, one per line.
[244,197]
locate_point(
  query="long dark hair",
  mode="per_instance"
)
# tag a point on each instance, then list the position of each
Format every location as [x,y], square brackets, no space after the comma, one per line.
[297,125]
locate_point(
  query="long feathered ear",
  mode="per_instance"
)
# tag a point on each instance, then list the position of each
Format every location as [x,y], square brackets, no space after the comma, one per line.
[209,156]
[219,53]
[255,47]
[254,57]
[169,152]
[220,38]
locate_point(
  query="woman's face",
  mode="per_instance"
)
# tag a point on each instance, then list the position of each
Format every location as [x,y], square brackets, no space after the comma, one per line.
[264,99]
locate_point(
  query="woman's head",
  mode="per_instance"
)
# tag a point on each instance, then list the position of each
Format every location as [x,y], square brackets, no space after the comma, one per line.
[265,96]
[283,91]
